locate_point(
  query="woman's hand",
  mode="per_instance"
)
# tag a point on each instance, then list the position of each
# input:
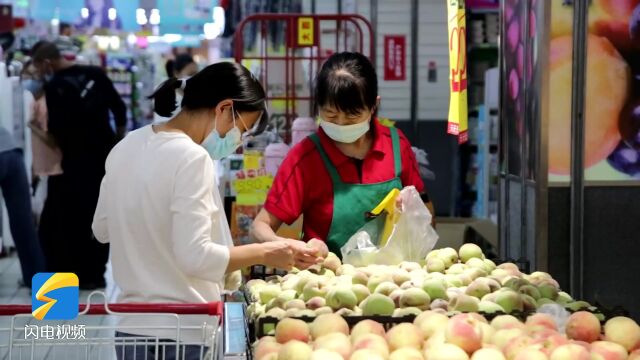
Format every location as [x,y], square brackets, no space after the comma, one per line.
[304,255]
[278,254]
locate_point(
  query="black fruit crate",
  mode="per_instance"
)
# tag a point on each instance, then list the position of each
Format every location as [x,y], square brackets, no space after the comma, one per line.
[264,272]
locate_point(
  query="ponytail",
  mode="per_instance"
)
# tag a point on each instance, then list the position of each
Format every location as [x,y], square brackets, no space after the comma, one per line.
[164,98]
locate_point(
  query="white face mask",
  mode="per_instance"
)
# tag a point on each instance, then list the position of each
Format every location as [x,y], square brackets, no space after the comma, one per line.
[345,133]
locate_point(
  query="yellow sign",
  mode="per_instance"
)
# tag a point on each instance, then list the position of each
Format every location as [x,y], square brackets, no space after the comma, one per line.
[305,31]
[252,191]
[458,111]
[252,161]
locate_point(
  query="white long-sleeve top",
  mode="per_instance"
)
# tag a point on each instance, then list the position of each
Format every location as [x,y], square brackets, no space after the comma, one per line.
[162,214]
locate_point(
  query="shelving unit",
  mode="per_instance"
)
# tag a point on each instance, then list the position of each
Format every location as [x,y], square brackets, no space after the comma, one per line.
[478,158]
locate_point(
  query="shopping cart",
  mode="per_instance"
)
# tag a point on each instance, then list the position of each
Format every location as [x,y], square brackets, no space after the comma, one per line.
[182,331]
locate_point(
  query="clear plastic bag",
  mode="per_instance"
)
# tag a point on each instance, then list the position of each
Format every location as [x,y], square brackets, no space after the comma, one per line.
[411,237]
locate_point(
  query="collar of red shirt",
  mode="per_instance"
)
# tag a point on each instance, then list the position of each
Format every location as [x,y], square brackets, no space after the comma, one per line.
[338,158]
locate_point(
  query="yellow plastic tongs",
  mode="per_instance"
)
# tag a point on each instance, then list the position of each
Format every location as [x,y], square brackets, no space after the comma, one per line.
[388,205]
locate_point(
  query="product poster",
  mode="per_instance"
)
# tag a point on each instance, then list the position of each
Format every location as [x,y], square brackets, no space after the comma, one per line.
[612,106]
[458,110]
[98,13]
[395,58]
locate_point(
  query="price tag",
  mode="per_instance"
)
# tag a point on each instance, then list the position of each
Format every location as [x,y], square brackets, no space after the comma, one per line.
[252,161]
[252,191]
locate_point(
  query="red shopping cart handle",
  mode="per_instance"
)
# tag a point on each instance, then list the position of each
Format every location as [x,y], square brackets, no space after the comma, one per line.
[212,308]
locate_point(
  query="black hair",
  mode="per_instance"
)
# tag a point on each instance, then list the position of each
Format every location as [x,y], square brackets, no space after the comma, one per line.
[181,62]
[45,50]
[168,67]
[348,82]
[64,26]
[217,82]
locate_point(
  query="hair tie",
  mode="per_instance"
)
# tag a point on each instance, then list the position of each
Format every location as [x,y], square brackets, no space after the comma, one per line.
[183,84]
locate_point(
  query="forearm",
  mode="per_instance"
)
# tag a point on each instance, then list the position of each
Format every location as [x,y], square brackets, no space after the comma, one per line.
[244,256]
[262,232]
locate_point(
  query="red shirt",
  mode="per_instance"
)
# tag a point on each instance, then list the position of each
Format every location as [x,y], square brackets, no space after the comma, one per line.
[303,185]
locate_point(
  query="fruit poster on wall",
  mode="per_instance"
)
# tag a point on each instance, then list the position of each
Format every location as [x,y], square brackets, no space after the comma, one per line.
[612,106]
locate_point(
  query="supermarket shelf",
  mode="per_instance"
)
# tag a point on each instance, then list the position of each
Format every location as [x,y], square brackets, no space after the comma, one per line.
[484,10]
[485,46]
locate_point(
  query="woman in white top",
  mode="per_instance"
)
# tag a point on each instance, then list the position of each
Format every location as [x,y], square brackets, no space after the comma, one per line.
[159,207]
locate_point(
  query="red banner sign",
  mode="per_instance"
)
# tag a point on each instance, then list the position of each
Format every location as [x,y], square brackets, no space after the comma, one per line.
[395,56]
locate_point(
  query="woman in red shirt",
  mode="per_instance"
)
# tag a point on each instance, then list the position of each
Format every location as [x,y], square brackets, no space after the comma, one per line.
[337,175]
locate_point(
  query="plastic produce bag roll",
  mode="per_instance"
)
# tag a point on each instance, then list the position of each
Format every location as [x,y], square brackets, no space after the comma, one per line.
[410,239]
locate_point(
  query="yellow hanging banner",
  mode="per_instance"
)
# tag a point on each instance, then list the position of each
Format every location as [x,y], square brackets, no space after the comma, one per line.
[458,111]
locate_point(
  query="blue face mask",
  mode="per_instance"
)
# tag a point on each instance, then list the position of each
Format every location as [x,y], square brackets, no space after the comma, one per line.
[221,147]
[33,86]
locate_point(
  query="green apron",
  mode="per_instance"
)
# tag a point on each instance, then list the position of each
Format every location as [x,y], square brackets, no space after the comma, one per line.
[352,202]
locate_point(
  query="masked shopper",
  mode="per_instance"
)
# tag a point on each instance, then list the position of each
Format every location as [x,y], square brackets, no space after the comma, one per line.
[337,175]
[159,207]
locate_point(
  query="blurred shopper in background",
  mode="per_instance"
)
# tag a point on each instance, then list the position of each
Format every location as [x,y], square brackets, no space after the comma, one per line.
[47,156]
[17,198]
[182,67]
[79,99]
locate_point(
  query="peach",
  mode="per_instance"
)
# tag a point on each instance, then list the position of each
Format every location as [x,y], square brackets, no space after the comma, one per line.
[406,354]
[429,322]
[407,311]
[331,262]
[328,323]
[323,354]
[602,117]
[502,337]
[372,342]
[445,352]
[542,320]
[323,310]
[400,276]
[292,329]
[315,303]
[436,288]
[386,288]
[404,335]
[377,304]
[478,288]
[516,345]
[488,354]
[489,307]
[435,264]
[409,266]
[415,298]
[449,256]
[366,354]
[295,304]
[635,355]
[271,356]
[583,326]
[606,350]
[321,247]
[360,291]
[464,303]
[570,352]
[487,333]
[295,350]
[531,353]
[464,331]
[337,342]
[624,331]
[341,297]
[510,300]
[395,296]
[548,344]
[377,279]
[506,322]
[359,277]
[469,251]
[366,327]
[439,305]
[477,263]
[265,347]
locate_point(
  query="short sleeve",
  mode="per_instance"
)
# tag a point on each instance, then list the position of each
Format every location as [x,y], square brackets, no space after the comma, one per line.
[192,207]
[410,172]
[286,197]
